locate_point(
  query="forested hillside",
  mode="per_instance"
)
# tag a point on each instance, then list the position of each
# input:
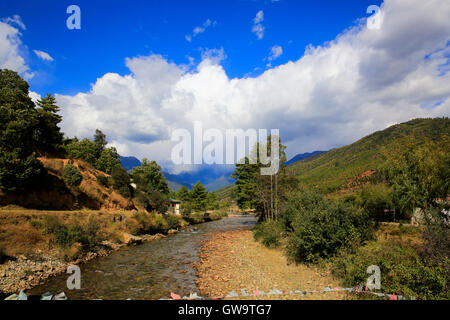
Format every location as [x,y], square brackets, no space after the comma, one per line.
[328,172]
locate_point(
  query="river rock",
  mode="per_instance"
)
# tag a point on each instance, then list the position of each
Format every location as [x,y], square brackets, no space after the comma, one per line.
[130,239]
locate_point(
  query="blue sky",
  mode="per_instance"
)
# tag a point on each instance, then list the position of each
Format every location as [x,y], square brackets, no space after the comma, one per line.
[114,30]
[316,70]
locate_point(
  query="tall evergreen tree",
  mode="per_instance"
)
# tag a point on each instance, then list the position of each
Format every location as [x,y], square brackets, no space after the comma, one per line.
[49,136]
[245,176]
[18,122]
[199,197]
[183,194]
[100,142]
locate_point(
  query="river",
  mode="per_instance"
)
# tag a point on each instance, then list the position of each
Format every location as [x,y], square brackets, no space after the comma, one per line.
[151,270]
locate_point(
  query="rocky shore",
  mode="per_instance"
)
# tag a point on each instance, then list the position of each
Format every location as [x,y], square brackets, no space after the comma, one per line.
[234,261]
[27,271]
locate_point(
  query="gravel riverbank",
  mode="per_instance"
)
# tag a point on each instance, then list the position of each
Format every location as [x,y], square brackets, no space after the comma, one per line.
[231,261]
[25,272]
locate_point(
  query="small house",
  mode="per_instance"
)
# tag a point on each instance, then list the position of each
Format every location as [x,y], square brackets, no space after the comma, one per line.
[173,206]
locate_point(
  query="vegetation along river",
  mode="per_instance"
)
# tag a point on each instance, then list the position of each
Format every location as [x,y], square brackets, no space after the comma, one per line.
[148,271]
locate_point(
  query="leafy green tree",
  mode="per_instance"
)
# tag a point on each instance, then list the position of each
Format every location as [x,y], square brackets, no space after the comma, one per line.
[49,136]
[121,181]
[183,194]
[108,160]
[18,121]
[157,202]
[94,152]
[199,197]
[84,149]
[72,176]
[375,199]
[419,175]
[211,201]
[100,142]
[149,178]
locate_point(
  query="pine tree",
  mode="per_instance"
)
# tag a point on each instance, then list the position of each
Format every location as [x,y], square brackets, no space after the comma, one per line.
[18,122]
[245,175]
[199,197]
[183,194]
[100,142]
[49,136]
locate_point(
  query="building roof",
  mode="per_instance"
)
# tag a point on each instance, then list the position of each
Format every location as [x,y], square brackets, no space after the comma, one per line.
[173,200]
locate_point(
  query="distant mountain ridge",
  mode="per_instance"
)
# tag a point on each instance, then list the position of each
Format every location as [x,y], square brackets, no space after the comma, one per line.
[209,176]
[128,163]
[302,156]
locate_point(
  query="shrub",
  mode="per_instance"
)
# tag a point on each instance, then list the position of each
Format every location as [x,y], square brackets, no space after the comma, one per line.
[72,176]
[62,236]
[436,238]
[320,227]
[269,232]
[144,220]
[374,199]
[132,225]
[173,221]
[49,224]
[159,224]
[403,271]
[186,208]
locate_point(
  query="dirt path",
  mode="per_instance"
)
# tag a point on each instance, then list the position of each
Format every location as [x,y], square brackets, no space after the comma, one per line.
[232,261]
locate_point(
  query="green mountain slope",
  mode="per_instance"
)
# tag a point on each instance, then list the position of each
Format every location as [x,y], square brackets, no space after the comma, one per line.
[328,171]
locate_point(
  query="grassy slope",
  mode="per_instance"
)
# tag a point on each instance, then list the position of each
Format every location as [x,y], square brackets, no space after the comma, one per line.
[328,171]
[52,193]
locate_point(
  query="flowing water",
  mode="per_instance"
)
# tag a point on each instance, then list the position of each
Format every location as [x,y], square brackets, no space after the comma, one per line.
[148,271]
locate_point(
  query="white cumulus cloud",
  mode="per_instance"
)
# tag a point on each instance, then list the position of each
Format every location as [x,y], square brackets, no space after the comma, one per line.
[43,55]
[11,48]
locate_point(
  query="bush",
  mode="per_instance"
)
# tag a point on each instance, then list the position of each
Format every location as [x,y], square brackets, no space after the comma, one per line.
[269,232]
[62,236]
[159,224]
[173,221]
[374,199]
[320,227]
[186,209]
[145,222]
[436,237]
[403,271]
[66,236]
[72,176]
